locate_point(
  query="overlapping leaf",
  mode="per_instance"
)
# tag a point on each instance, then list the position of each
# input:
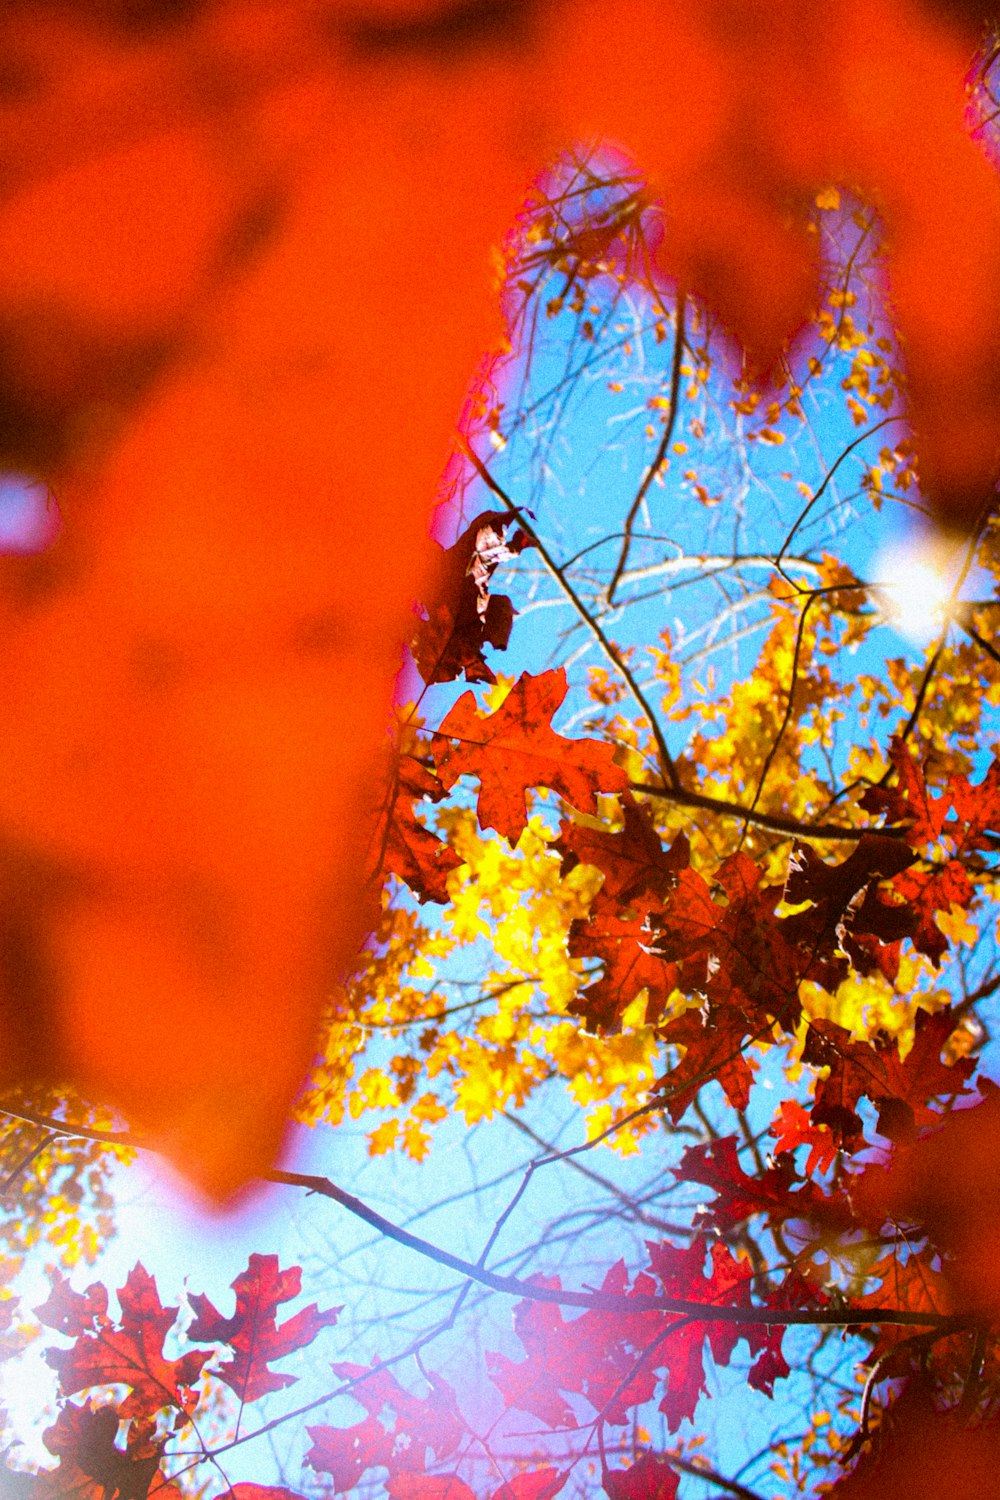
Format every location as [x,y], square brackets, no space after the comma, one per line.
[406,847]
[614,1362]
[902,1088]
[516,748]
[463,615]
[346,1453]
[91,1464]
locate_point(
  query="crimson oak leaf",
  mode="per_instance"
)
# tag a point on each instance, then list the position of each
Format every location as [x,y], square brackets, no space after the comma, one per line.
[260,1492]
[406,847]
[633,861]
[131,1353]
[93,1467]
[346,1453]
[901,1088]
[516,748]
[464,616]
[72,1312]
[252,1332]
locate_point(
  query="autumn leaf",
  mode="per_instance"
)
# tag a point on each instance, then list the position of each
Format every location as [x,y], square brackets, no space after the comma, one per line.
[252,1332]
[464,616]
[627,948]
[902,1088]
[92,1466]
[347,1453]
[946,1183]
[516,748]
[739,1196]
[73,1313]
[260,1492]
[130,1353]
[542,1484]
[920,1450]
[407,1486]
[632,861]
[793,1128]
[406,847]
[649,1478]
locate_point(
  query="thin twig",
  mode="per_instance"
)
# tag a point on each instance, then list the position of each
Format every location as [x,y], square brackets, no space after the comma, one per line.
[664,444]
[829,475]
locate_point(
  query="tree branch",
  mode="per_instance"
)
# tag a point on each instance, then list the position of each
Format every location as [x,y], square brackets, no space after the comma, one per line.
[776,822]
[512,1286]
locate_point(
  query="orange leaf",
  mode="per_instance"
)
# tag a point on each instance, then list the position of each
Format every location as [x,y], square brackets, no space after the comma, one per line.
[516,748]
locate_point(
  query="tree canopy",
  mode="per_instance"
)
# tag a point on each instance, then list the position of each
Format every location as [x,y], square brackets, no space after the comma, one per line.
[681,865]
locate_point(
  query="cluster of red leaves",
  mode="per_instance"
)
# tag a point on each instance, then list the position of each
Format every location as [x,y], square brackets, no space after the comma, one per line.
[657,926]
[113,1448]
[616,1361]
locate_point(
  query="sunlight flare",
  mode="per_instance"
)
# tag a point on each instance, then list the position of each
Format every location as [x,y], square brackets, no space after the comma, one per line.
[916,578]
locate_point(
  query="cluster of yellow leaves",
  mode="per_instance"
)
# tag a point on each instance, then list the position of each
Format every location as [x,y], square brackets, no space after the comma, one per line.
[57,1188]
[429,1053]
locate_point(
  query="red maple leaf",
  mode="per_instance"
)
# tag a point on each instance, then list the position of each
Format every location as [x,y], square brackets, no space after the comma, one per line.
[182,767]
[733,949]
[849,909]
[516,748]
[252,1331]
[911,1280]
[534,1384]
[130,1353]
[598,1356]
[540,1484]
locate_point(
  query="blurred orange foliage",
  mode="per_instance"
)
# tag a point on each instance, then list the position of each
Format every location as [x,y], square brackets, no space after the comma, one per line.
[244,281]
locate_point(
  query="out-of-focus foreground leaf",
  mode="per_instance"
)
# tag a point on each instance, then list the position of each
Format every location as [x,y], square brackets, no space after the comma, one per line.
[244,280]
